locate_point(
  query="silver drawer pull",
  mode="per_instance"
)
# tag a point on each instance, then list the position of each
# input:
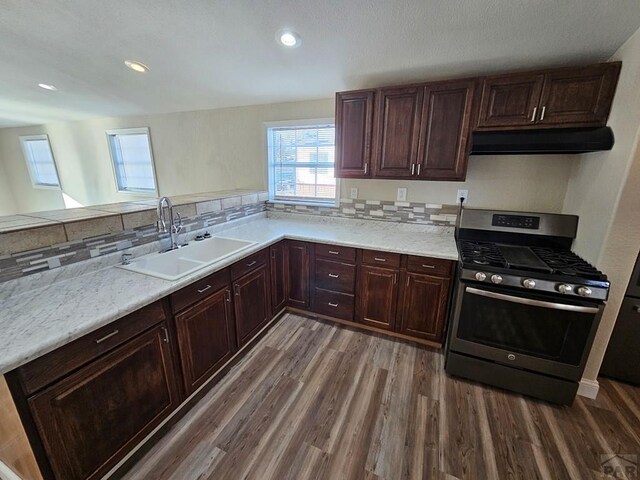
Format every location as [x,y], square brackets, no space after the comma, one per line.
[334,252]
[251,264]
[333,275]
[107,337]
[636,308]
[202,290]
[378,259]
[332,304]
[424,265]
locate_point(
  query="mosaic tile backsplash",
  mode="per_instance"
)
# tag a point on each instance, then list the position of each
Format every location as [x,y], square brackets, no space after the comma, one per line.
[409,212]
[34,261]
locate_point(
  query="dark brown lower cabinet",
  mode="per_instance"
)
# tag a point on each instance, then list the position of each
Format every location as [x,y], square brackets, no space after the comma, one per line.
[424,302]
[205,338]
[377,297]
[251,303]
[91,418]
[278,277]
[298,259]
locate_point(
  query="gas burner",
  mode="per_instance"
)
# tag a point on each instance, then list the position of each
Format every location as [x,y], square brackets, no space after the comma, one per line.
[565,262]
[481,253]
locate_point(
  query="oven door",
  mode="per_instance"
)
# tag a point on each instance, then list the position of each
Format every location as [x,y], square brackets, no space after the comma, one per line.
[531,331]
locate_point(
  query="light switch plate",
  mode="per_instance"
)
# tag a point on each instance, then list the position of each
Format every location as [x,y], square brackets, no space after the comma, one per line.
[402,194]
[462,194]
[354,192]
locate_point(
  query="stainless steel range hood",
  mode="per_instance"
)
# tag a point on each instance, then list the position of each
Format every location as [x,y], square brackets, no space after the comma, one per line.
[575,140]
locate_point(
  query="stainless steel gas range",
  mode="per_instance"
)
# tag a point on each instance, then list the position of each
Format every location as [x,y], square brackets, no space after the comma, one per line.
[526,308]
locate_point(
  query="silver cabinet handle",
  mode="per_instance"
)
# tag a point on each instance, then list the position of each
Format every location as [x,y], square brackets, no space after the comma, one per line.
[636,308]
[333,252]
[237,289]
[366,168]
[419,165]
[395,279]
[529,301]
[251,264]
[228,295]
[202,290]
[333,275]
[378,259]
[424,265]
[533,115]
[332,304]
[413,167]
[107,337]
[165,332]
[542,112]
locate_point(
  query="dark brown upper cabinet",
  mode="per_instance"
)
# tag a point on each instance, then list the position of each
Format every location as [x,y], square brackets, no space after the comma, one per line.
[445,130]
[397,132]
[560,98]
[354,129]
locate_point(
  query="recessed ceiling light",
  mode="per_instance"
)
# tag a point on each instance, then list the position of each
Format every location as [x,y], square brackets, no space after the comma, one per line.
[289,39]
[47,87]
[136,66]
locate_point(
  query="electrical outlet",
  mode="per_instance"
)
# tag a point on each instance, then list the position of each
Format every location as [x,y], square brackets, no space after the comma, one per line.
[354,192]
[402,194]
[462,194]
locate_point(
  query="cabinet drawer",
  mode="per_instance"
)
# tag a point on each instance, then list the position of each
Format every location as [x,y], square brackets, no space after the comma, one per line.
[430,266]
[52,366]
[199,290]
[381,259]
[336,253]
[336,276]
[252,262]
[334,304]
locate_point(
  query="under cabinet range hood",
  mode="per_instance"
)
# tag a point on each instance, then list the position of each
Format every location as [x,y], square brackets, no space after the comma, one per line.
[550,141]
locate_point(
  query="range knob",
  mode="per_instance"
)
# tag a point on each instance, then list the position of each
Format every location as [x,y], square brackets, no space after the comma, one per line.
[584,291]
[496,278]
[481,276]
[528,283]
[564,288]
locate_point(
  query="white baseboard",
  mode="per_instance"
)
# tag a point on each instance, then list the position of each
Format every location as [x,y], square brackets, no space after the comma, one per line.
[6,473]
[588,388]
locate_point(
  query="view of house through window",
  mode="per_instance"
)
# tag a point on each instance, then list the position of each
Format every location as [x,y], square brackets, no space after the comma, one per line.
[301,162]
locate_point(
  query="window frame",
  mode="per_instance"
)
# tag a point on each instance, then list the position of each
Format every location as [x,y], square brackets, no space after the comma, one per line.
[270,164]
[27,158]
[132,131]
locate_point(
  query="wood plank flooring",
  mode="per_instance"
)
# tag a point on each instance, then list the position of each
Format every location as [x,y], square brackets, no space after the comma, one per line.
[314,400]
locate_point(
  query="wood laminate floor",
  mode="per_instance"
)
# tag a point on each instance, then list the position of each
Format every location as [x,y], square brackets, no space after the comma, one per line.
[314,400]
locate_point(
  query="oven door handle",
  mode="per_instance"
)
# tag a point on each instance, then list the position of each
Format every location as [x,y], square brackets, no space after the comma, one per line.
[529,301]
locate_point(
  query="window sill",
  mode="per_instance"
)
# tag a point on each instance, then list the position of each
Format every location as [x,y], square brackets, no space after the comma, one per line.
[331,204]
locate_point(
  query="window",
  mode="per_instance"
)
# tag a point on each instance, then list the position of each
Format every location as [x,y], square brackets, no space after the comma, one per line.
[301,161]
[40,162]
[132,160]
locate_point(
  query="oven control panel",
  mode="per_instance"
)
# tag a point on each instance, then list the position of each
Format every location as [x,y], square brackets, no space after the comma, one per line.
[516,221]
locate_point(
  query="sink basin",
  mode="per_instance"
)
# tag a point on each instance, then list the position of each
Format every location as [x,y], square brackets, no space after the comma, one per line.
[176,264]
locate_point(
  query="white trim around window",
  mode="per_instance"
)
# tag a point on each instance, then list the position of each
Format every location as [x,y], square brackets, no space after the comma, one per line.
[314,169]
[40,161]
[133,177]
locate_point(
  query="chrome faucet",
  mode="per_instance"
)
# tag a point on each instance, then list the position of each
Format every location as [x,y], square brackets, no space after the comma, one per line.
[174,227]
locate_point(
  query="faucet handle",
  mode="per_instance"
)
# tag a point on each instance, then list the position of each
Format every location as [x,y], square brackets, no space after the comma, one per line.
[177,228]
[126,258]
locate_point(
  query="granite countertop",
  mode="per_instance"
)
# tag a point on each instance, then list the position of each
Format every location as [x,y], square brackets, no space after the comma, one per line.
[39,321]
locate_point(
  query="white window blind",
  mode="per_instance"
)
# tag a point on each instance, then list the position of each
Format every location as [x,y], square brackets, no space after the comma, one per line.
[132,160]
[40,162]
[301,162]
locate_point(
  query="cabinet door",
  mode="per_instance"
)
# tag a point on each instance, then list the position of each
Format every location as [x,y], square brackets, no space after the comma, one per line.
[298,260]
[251,303]
[397,132]
[510,101]
[445,130]
[205,338]
[423,310]
[578,97]
[91,419]
[377,297]
[278,277]
[354,127]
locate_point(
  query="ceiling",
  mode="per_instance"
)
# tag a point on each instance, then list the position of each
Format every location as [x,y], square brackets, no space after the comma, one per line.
[214,53]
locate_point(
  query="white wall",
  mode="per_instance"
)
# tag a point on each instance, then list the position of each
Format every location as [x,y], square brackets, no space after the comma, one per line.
[605,191]
[7,205]
[221,149]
